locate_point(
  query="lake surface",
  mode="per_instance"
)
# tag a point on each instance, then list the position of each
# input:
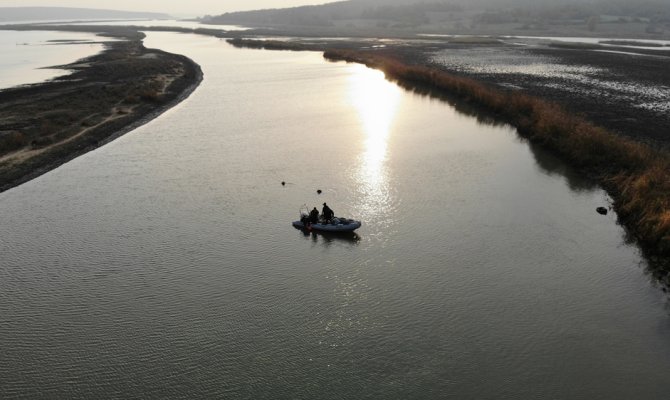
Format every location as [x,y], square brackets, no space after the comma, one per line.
[27,56]
[164,264]
[164,22]
[576,39]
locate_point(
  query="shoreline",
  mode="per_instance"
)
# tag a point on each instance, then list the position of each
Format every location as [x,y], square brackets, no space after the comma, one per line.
[635,175]
[120,118]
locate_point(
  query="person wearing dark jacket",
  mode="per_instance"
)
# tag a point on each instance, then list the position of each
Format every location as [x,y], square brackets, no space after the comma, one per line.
[328,214]
[314,216]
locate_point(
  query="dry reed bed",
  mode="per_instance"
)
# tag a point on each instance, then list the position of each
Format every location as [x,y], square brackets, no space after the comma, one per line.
[636,176]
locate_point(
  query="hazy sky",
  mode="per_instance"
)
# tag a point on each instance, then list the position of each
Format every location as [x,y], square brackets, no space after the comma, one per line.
[187,7]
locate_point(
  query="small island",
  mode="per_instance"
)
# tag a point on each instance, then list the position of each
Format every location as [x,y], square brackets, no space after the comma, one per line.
[45,125]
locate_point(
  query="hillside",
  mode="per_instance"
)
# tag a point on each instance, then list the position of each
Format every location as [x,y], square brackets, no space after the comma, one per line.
[632,18]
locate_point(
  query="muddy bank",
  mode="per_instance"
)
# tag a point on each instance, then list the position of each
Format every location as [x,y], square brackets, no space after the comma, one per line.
[45,125]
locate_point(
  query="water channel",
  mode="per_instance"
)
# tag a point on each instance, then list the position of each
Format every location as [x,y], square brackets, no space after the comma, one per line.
[164,264]
[30,57]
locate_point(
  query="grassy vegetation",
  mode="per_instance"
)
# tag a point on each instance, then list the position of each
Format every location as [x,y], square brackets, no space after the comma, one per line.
[268,44]
[631,43]
[12,141]
[473,40]
[636,176]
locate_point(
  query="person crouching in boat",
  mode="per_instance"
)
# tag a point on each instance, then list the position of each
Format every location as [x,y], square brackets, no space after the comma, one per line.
[328,214]
[314,216]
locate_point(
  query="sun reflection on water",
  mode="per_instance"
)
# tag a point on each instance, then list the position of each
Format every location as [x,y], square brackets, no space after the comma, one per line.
[376,100]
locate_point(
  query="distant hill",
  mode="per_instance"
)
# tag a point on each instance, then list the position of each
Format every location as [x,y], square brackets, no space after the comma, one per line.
[64,13]
[465,16]
[326,14]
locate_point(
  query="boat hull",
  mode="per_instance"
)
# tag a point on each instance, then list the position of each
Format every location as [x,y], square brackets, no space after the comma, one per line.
[341,227]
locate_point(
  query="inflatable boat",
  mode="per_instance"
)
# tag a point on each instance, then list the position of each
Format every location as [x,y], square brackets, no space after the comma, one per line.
[338,224]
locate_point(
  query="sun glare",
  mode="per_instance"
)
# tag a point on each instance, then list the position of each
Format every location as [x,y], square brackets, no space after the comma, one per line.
[376,101]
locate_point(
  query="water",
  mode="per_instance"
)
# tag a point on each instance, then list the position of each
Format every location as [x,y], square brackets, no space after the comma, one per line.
[164,264]
[576,39]
[163,22]
[601,41]
[27,56]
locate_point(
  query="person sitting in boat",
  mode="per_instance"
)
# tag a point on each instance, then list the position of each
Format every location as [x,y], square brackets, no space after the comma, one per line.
[328,214]
[314,216]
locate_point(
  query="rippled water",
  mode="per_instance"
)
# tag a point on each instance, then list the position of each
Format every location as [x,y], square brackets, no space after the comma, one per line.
[164,22]
[164,264]
[27,56]
[585,79]
[491,60]
[656,44]
[602,41]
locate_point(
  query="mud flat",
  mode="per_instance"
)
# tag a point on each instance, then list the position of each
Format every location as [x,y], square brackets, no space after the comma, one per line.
[622,88]
[45,125]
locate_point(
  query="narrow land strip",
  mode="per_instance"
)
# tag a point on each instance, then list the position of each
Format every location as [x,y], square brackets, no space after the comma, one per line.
[45,125]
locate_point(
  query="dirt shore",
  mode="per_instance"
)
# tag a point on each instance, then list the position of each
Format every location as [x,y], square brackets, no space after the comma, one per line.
[46,125]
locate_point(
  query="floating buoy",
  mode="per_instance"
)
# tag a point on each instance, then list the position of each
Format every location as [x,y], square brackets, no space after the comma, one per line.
[318,191]
[601,210]
[283,183]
